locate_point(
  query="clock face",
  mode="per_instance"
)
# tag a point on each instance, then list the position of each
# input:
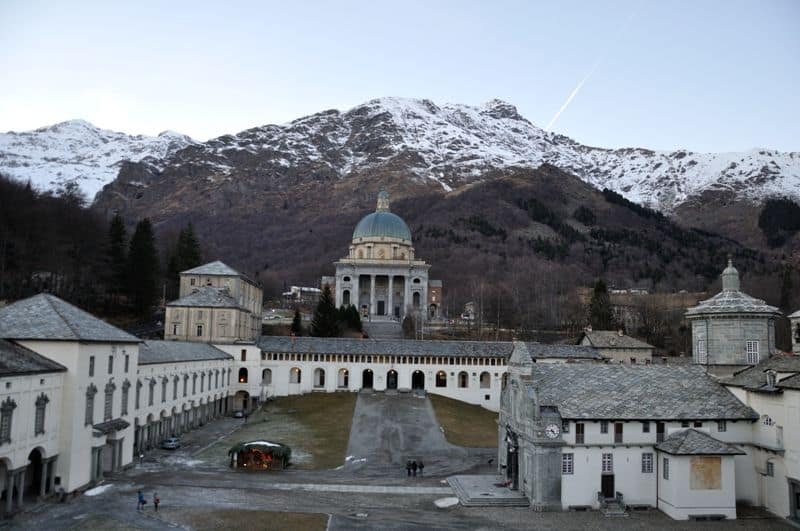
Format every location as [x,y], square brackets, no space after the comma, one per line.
[552,431]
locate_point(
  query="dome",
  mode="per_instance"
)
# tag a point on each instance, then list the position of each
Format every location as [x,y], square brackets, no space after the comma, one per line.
[382,224]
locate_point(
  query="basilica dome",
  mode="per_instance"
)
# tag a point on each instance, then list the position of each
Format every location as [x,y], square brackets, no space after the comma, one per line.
[382,223]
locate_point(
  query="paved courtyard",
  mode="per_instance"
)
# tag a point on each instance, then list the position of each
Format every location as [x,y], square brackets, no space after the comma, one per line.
[369,491]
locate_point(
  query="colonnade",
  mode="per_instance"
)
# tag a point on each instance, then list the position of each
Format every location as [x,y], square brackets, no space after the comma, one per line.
[15,484]
[151,434]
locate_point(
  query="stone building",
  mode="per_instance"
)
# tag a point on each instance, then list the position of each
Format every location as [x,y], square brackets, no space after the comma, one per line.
[381,275]
[608,436]
[794,319]
[216,304]
[732,329]
[617,346]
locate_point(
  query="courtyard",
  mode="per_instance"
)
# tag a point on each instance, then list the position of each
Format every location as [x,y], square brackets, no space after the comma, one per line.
[348,472]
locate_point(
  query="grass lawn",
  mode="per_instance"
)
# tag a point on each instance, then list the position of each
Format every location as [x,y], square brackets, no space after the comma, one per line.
[465,424]
[316,426]
[207,519]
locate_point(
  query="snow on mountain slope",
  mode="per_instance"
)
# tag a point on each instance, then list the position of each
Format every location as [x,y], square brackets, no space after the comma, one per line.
[76,151]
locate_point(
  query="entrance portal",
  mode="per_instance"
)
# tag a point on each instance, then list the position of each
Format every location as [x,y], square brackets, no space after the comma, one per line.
[391,379]
[418,380]
[366,379]
[607,485]
[381,308]
[33,479]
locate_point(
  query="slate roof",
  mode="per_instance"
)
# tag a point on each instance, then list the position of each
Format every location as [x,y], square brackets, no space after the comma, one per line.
[153,352]
[635,392]
[212,268]
[612,339]
[18,360]
[207,297]
[755,378]
[693,442]
[47,317]
[108,426]
[391,347]
[538,350]
[435,283]
[732,302]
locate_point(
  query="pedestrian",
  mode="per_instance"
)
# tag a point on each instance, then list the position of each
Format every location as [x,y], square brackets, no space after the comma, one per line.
[156,501]
[141,501]
[408,468]
[414,468]
[420,465]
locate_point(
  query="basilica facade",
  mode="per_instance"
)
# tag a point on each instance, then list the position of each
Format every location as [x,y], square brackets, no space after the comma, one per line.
[381,275]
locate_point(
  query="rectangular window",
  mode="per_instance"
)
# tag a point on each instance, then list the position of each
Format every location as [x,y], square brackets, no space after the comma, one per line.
[697,424]
[38,423]
[89,417]
[646,426]
[722,426]
[659,432]
[603,426]
[175,388]
[618,432]
[244,354]
[702,354]
[5,420]
[91,366]
[185,383]
[665,468]
[567,463]
[138,394]
[770,468]
[191,281]
[111,365]
[127,362]
[174,329]
[108,405]
[565,426]
[752,352]
[152,392]
[164,390]
[608,463]
[647,463]
[124,406]
[579,438]
[684,424]
[199,330]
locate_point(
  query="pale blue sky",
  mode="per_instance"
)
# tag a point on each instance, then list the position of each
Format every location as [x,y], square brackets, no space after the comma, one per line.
[706,75]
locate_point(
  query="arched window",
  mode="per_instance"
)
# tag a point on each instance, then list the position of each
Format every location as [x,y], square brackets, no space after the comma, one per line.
[266,377]
[344,379]
[416,298]
[463,379]
[441,379]
[417,281]
[319,378]
[346,297]
[346,279]
[243,375]
[294,375]
[486,380]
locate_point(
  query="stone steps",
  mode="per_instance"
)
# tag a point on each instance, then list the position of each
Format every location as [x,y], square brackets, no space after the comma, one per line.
[484,492]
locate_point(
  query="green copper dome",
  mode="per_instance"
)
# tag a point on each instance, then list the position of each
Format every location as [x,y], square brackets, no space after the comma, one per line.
[382,224]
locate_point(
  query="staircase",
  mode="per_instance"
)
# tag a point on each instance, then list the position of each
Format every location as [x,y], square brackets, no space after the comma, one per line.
[612,507]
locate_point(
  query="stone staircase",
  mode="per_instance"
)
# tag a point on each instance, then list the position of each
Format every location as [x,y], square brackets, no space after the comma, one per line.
[612,507]
[485,491]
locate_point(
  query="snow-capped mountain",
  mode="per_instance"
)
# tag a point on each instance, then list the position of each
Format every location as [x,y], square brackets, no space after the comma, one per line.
[446,146]
[77,151]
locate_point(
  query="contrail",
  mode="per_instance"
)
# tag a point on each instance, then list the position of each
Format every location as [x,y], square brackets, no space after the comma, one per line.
[572,95]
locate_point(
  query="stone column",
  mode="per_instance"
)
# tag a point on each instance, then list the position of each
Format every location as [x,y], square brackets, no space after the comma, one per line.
[43,479]
[391,296]
[52,475]
[20,486]
[407,297]
[11,481]
[371,295]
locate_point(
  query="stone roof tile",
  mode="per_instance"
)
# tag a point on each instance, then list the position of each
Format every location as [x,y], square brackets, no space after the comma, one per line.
[755,378]
[154,352]
[694,442]
[18,360]
[207,297]
[613,339]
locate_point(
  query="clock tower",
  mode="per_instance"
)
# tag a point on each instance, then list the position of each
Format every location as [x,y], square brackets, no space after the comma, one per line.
[544,458]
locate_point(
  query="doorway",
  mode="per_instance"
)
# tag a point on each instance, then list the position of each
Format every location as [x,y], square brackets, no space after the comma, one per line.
[381,308]
[366,379]
[418,380]
[794,498]
[391,379]
[607,485]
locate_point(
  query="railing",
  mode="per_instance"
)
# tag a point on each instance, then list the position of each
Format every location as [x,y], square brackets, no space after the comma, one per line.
[579,438]
[617,437]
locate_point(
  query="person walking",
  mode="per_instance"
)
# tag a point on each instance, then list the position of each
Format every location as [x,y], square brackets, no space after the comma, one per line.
[420,465]
[156,501]
[414,468]
[408,468]
[141,501]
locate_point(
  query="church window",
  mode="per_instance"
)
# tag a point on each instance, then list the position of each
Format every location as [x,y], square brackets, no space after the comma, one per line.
[89,413]
[618,432]
[417,281]
[266,377]
[767,421]
[647,463]
[6,412]
[567,463]
[608,463]
[346,279]
[202,382]
[752,352]
[126,385]
[722,426]
[174,329]
[702,355]
[603,426]
[41,404]
[665,468]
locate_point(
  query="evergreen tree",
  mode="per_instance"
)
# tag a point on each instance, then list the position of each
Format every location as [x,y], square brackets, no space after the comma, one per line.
[786,289]
[185,255]
[297,323]
[601,315]
[117,242]
[143,268]
[354,319]
[326,320]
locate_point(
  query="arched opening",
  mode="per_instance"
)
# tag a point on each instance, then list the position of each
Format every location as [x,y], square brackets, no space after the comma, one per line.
[416,298]
[33,474]
[418,380]
[242,375]
[486,380]
[441,379]
[266,377]
[463,379]
[6,490]
[366,379]
[432,311]
[241,401]
[391,379]
[343,381]
[346,297]
[319,378]
[294,375]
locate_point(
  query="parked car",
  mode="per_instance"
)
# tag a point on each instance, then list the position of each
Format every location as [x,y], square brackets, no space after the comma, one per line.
[238,414]
[172,443]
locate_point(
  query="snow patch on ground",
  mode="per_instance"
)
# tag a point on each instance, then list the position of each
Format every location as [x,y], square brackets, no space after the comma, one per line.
[444,503]
[97,490]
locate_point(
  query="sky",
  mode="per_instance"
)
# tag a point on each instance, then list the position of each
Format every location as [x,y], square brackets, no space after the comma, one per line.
[703,75]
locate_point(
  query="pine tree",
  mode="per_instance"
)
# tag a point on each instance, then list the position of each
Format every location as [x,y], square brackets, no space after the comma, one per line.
[354,319]
[117,242]
[185,255]
[143,268]
[601,315]
[297,324]
[325,322]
